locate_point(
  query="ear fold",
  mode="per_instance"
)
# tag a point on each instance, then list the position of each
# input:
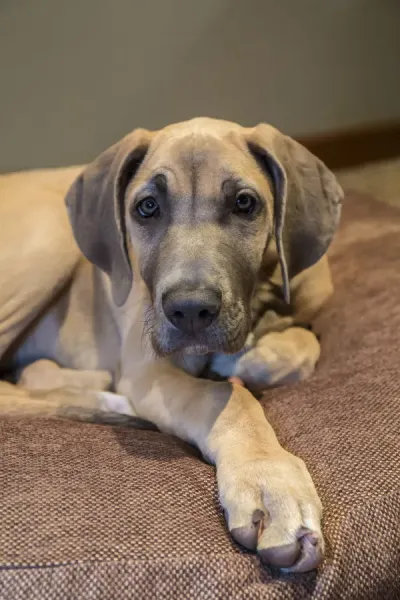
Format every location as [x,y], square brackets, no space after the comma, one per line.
[95,204]
[307,200]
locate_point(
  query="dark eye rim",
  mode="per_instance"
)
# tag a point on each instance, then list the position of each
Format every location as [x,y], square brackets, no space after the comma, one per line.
[247,210]
[139,208]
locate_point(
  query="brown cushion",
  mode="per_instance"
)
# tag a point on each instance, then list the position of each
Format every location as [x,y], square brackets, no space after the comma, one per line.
[90,511]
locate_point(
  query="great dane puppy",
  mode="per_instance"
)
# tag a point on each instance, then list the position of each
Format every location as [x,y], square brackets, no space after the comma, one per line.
[196,254]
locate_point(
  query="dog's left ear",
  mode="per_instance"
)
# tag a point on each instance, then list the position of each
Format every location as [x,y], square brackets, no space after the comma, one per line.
[307,200]
[96,203]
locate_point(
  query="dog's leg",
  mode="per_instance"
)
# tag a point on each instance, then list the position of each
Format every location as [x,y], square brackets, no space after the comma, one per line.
[47,375]
[38,252]
[277,358]
[45,390]
[72,403]
[268,496]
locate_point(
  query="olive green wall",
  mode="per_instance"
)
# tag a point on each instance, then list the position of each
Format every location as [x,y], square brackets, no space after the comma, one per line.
[78,74]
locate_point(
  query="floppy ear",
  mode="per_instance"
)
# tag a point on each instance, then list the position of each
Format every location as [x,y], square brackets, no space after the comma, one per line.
[307,200]
[95,204]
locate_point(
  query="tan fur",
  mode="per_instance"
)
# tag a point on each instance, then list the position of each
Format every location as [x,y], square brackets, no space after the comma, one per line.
[56,305]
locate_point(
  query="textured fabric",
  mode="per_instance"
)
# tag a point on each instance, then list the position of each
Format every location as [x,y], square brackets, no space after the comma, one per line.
[97,512]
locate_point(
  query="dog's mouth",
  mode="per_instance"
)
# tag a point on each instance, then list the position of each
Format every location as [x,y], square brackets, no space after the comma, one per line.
[167,341]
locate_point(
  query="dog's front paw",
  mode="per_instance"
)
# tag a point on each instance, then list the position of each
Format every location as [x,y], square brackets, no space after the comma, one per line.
[279,358]
[272,506]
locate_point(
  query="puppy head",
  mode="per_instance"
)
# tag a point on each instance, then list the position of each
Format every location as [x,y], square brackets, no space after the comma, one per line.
[193,207]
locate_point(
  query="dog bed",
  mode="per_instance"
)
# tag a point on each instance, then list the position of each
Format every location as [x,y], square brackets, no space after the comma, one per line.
[100,512]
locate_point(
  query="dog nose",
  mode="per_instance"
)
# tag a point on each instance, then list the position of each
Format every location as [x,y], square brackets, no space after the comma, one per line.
[192,311]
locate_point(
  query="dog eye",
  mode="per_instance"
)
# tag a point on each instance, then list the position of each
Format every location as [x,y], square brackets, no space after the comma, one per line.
[245,203]
[147,208]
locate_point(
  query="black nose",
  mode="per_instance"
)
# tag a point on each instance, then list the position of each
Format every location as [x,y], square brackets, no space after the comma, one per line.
[192,311]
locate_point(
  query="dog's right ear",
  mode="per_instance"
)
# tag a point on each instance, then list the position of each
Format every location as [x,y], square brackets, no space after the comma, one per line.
[95,204]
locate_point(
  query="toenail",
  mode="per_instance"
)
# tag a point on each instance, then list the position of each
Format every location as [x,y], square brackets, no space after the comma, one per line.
[311,555]
[281,556]
[313,539]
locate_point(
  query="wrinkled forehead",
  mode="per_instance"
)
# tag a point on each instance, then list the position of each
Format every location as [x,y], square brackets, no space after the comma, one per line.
[199,162]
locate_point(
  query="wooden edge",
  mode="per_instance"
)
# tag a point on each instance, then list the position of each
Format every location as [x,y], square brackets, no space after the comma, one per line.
[355,146]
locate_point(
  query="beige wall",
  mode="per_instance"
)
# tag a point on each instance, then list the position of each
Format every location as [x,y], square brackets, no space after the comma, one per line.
[78,74]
